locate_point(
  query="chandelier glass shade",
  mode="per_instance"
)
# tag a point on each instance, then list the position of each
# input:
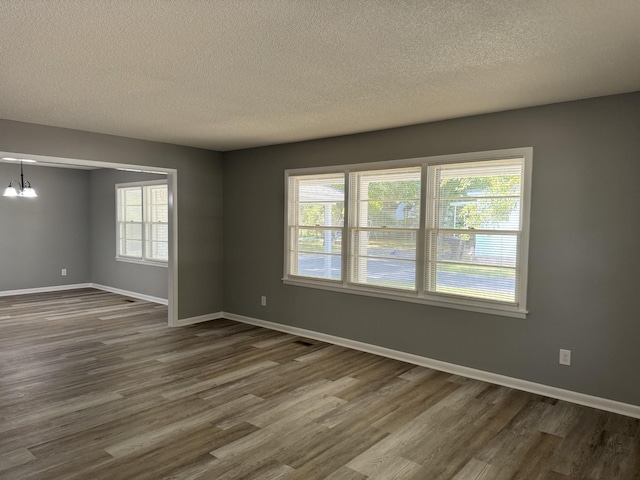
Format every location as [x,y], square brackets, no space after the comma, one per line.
[22,188]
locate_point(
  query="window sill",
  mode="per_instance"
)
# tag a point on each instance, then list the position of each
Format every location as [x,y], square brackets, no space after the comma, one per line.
[142,262]
[411,297]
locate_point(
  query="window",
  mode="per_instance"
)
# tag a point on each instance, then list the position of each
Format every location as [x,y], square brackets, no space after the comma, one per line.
[142,222]
[474,229]
[316,218]
[448,231]
[384,227]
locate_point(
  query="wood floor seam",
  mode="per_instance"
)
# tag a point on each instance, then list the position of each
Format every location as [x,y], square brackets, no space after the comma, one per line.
[94,386]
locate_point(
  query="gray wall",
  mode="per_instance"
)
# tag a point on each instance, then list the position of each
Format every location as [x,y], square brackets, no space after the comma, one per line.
[41,236]
[199,197]
[584,251]
[584,254]
[71,225]
[105,269]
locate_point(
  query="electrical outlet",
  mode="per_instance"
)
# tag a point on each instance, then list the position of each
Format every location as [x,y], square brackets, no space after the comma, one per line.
[64,272]
[565,357]
[263,301]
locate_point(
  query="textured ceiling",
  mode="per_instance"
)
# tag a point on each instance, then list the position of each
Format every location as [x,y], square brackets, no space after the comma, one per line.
[231,74]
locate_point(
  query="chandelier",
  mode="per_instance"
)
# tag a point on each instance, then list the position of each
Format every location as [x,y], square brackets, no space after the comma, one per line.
[22,188]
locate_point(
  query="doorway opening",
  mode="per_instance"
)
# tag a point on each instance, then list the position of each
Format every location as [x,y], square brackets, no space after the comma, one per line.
[172,203]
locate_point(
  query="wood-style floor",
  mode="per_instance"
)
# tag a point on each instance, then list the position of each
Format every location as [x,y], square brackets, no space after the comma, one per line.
[94,385]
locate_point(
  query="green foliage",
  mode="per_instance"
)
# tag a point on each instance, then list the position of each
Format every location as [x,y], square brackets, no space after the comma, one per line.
[478,211]
[385,198]
[468,202]
[314,215]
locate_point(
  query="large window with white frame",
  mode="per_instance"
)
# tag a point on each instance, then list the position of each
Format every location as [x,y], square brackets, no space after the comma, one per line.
[315,223]
[142,222]
[383,227]
[449,231]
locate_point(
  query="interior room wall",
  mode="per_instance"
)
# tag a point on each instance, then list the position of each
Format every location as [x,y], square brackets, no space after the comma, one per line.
[199,273]
[105,269]
[41,236]
[584,253]
[71,225]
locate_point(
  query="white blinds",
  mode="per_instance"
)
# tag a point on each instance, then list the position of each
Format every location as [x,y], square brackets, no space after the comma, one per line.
[446,230]
[474,229]
[384,220]
[315,221]
[143,222]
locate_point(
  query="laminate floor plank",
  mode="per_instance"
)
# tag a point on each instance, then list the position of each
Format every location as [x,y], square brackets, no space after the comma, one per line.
[345,473]
[15,458]
[96,386]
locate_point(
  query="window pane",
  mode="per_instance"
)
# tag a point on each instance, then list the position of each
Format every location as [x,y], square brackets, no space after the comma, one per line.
[390,214]
[480,179]
[383,202]
[131,248]
[478,195]
[143,209]
[316,201]
[132,231]
[132,196]
[387,198]
[157,228]
[157,209]
[480,213]
[132,213]
[473,281]
[316,265]
[467,197]
[315,240]
[132,204]
[158,214]
[325,215]
[157,194]
[157,245]
[384,272]
[384,258]
[158,251]
[319,200]
[384,244]
[158,232]
[480,249]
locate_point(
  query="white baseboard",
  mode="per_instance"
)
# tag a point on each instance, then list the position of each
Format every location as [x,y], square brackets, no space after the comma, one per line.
[140,296]
[199,319]
[60,288]
[57,288]
[515,383]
